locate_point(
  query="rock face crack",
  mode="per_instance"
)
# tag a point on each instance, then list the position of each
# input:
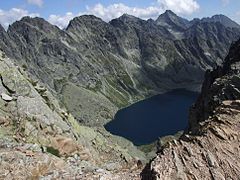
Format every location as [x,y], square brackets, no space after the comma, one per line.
[5,86]
[179,166]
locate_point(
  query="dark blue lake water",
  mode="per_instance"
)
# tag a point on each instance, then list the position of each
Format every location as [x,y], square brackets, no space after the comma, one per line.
[158,116]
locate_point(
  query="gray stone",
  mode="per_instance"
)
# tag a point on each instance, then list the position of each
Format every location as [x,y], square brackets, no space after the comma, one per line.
[6,97]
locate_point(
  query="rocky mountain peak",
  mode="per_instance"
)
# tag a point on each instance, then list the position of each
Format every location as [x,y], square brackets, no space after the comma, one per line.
[128,17]
[127,20]
[35,21]
[84,20]
[169,13]
[170,20]
[29,24]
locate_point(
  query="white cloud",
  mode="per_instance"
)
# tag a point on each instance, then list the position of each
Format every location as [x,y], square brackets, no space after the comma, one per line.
[180,6]
[107,13]
[36,2]
[10,16]
[115,10]
[61,21]
[183,7]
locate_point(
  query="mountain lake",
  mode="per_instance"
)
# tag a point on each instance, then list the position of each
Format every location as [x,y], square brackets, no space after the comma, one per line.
[158,116]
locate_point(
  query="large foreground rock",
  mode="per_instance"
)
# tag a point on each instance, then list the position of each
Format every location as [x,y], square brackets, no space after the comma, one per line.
[38,137]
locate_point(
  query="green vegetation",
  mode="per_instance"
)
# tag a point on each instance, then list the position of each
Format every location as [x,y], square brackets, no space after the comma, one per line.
[53,151]
[97,87]
[114,95]
[127,80]
[72,98]
[25,67]
[148,147]
[160,143]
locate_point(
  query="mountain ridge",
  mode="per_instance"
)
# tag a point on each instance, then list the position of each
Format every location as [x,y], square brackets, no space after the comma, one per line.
[222,19]
[123,61]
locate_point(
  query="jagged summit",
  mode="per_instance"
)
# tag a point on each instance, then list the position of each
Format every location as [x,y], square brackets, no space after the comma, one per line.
[37,23]
[84,20]
[169,13]
[170,20]
[128,17]
[32,20]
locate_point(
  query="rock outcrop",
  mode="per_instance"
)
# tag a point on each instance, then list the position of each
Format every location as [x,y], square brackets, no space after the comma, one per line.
[210,148]
[111,65]
[38,138]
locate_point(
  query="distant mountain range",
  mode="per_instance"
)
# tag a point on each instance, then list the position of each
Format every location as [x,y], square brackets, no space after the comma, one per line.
[94,68]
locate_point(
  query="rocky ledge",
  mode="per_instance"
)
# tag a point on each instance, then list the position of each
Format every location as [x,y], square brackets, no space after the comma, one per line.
[210,148]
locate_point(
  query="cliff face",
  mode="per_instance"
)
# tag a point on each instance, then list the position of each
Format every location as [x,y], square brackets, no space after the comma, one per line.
[219,85]
[116,63]
[210,149]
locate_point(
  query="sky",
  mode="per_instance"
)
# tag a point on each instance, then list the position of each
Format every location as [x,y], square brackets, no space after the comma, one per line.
[60,12]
